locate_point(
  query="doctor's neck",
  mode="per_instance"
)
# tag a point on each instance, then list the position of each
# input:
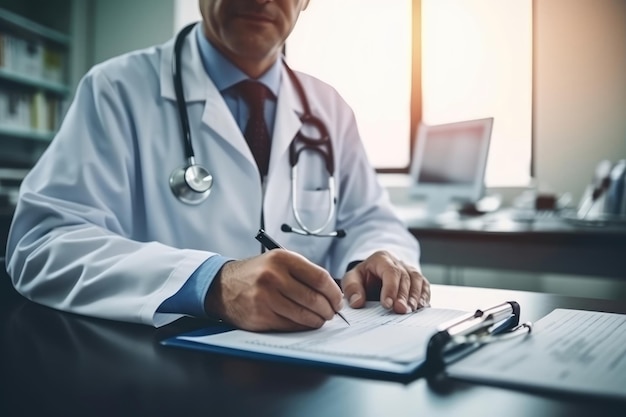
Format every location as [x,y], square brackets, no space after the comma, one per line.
[251,60]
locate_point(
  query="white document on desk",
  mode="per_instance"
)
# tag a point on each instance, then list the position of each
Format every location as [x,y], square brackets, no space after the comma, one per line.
[376,339]
[581,352]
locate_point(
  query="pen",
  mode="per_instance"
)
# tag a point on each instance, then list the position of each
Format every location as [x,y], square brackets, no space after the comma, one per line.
[270,244]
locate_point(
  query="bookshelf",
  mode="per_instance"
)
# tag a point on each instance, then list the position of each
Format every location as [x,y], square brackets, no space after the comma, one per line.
[34,90]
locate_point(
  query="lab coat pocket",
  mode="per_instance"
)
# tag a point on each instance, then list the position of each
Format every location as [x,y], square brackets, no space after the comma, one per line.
[313,208]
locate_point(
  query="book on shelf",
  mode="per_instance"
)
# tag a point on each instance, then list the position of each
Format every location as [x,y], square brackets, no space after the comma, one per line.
[31,58]
[25,110]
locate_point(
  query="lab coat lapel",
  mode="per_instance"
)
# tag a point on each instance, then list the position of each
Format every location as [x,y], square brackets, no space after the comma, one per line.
[287,123]
[218,118]
[278,186]
[197,86]
[195,80]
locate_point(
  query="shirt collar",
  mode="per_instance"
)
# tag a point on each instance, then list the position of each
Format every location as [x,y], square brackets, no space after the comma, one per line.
[225,74]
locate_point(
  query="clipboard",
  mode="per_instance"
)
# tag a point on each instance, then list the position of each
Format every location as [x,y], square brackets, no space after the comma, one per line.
[440,343]
[459,338]
[571,353]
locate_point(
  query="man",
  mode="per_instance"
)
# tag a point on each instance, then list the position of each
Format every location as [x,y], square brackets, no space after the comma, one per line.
[97,230]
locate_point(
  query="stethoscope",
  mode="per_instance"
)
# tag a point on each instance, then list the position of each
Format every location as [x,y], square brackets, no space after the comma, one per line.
[191,183]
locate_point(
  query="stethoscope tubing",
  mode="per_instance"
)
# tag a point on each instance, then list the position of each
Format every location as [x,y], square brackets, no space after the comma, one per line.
[180,95]
[191,183]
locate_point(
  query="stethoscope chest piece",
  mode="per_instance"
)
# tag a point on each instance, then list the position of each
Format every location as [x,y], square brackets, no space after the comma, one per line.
[191,183]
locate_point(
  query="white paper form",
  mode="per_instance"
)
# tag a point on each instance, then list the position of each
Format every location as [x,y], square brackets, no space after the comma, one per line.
[568,350]
[376,338]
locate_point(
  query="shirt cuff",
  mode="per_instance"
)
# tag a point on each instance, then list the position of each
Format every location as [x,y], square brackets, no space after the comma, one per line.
[189,299]
[352,264]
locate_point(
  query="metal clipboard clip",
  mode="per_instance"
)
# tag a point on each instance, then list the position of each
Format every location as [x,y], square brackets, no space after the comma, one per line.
[459,337]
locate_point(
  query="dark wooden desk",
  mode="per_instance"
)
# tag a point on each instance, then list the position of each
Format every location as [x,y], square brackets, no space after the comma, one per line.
[545,245]
[58,364]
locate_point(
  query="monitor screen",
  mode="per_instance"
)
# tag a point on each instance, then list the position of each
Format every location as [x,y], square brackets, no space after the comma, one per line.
[449,161]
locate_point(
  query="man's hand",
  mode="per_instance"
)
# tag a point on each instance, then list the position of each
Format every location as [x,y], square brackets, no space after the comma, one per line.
[279,290]
[401,287]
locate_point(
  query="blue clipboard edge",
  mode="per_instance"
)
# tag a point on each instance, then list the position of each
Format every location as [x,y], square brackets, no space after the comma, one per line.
[406,373]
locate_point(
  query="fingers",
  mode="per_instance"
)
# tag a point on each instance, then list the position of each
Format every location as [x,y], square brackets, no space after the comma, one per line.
[424,300]
[300,315]
[396,284]
[312,276]
[413,289]
[401,287]
[353,289]
[279,290]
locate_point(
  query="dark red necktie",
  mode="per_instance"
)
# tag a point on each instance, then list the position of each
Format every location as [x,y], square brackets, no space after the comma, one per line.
[256,131]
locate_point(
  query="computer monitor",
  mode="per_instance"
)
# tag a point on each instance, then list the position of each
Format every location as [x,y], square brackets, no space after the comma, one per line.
[449,162]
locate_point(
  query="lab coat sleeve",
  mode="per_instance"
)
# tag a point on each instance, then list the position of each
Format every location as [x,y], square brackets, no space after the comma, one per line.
[364,208]
[69,245]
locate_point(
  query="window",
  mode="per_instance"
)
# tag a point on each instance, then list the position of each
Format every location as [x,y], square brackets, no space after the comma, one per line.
[477,62]
[350,60]
[441,61]
[363,49]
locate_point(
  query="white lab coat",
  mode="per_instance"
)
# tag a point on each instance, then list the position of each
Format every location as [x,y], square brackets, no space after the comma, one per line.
[97,230]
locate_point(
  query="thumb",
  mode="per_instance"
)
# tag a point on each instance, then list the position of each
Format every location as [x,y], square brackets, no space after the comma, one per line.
[353,289]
